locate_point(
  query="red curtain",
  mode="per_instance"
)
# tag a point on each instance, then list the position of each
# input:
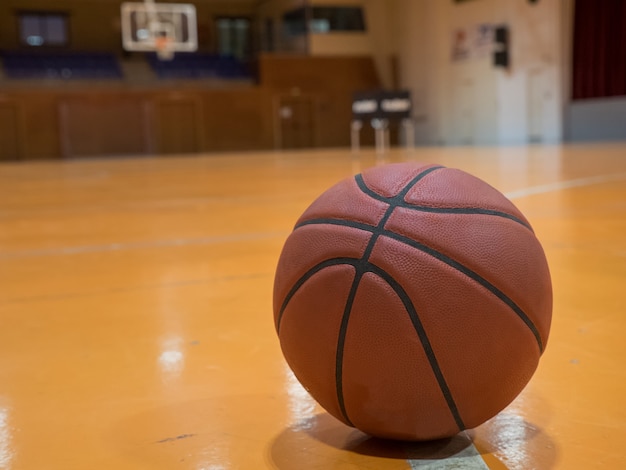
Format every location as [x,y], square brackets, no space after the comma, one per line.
[599,62]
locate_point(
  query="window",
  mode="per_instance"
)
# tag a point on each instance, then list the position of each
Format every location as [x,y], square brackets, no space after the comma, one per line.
[43,29]
[324,20]
[234,37]
[294,22]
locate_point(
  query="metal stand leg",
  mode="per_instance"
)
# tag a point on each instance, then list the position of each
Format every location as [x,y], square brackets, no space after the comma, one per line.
[381,132]
[355,136]
[409,133]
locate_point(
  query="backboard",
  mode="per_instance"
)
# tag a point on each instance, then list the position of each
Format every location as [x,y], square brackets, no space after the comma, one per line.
[164,28]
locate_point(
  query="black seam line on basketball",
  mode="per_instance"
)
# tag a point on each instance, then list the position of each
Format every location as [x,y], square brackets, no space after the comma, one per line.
[393,202]
[360,269]
[474,276]
[440,210]
[423,337]
[447,260]
[443,210]
[306,276]
[340,222]
[367,190]
[343,329]
[466,211]
[341,341]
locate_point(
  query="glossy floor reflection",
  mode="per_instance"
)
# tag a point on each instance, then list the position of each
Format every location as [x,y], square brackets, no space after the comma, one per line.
[137,333]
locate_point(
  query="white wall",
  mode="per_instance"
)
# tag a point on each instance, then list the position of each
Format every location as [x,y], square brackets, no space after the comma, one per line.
[410,38]
[472,101]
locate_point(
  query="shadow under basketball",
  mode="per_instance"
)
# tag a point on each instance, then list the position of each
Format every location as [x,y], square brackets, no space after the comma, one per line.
[322,442]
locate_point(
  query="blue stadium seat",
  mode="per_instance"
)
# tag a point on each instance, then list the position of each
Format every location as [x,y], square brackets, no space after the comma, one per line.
[63,66]
[198,66]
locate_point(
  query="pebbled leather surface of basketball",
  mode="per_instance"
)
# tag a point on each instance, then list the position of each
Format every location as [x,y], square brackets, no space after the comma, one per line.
[413,301]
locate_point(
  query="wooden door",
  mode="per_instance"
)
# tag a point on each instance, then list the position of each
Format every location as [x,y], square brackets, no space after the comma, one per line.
[296,122]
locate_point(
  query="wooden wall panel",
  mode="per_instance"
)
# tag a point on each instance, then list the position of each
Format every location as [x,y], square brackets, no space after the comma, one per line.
[39,120]
[85,120]
[178,120]
[318,73]
[238,119]
[104,124]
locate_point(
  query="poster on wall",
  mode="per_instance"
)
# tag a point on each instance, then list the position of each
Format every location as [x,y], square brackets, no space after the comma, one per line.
[460,45]
[472,43]
[483,41]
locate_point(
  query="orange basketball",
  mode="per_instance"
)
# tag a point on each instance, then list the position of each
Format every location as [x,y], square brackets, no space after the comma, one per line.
[413,301]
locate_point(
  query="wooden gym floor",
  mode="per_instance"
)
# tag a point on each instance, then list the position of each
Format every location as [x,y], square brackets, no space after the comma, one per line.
[136,318]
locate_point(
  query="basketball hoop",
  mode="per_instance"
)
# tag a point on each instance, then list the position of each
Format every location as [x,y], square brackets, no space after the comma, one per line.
[164,47]
[164,28]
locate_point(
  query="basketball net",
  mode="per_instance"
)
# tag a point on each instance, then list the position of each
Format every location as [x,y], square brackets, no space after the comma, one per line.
[164,47]
[163,43]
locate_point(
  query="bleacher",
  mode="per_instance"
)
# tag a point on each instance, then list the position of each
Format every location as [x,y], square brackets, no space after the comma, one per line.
[103,66]
[64,66]
[188,65]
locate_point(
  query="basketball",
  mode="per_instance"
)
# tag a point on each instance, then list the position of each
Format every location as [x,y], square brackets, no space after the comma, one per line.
[413,301]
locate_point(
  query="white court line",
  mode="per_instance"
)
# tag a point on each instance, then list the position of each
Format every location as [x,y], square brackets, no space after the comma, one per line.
[76,250]
[551,187]
[468,459]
